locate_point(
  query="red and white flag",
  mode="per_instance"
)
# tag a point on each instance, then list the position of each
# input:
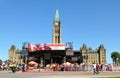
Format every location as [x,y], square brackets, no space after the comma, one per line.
[34,47]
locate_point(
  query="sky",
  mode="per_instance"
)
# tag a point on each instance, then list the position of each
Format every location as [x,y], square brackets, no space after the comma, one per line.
[90,22]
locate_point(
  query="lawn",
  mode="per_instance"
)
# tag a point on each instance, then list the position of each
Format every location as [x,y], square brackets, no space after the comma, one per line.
[108,77]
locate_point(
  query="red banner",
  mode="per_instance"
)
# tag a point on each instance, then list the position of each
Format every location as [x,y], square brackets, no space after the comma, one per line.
[34,47]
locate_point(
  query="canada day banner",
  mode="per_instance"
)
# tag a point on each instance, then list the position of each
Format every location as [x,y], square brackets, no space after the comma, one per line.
[46,46]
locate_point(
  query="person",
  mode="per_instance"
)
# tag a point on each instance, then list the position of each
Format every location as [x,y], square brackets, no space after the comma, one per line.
[53,67]
[23,67]
[39,67]
[13,67]
[94,68]
[101,67]
[62,67]
[56,67]
[97,68]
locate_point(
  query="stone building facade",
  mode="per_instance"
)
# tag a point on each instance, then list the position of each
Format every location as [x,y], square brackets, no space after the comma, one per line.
[93,56]
[14,55]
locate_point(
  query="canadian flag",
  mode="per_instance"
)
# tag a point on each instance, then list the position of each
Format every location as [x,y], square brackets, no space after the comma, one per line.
[34,47]
[47,47]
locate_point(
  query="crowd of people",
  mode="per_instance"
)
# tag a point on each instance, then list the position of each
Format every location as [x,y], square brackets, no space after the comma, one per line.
[11,66]
[95,67]
[74,67]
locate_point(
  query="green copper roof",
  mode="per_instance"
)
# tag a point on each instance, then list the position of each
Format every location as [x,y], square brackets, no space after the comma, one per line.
[57,18]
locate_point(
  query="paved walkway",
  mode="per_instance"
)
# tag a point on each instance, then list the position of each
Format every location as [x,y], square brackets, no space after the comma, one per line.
[80,74]
[58,74]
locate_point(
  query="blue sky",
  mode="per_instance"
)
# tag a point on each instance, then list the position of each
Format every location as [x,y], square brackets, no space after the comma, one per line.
[92,22]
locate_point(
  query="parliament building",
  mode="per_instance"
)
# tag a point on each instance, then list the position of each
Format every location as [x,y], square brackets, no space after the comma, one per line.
[57,52]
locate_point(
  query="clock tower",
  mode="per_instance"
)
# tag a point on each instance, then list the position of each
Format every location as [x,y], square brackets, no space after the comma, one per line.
[56,36]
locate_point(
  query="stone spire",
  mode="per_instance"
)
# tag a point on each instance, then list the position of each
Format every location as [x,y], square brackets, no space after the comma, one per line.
[57,18]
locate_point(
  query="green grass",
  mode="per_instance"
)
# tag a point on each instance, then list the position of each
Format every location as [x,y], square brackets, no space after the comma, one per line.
[108,77]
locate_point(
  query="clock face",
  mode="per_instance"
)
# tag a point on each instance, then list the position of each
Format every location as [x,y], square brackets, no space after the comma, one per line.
[56,23]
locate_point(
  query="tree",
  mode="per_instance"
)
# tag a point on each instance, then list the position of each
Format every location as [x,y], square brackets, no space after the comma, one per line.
[115,56]
[119,58]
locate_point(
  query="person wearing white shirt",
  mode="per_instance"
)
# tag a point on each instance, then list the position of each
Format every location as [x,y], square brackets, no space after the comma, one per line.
[94,68]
